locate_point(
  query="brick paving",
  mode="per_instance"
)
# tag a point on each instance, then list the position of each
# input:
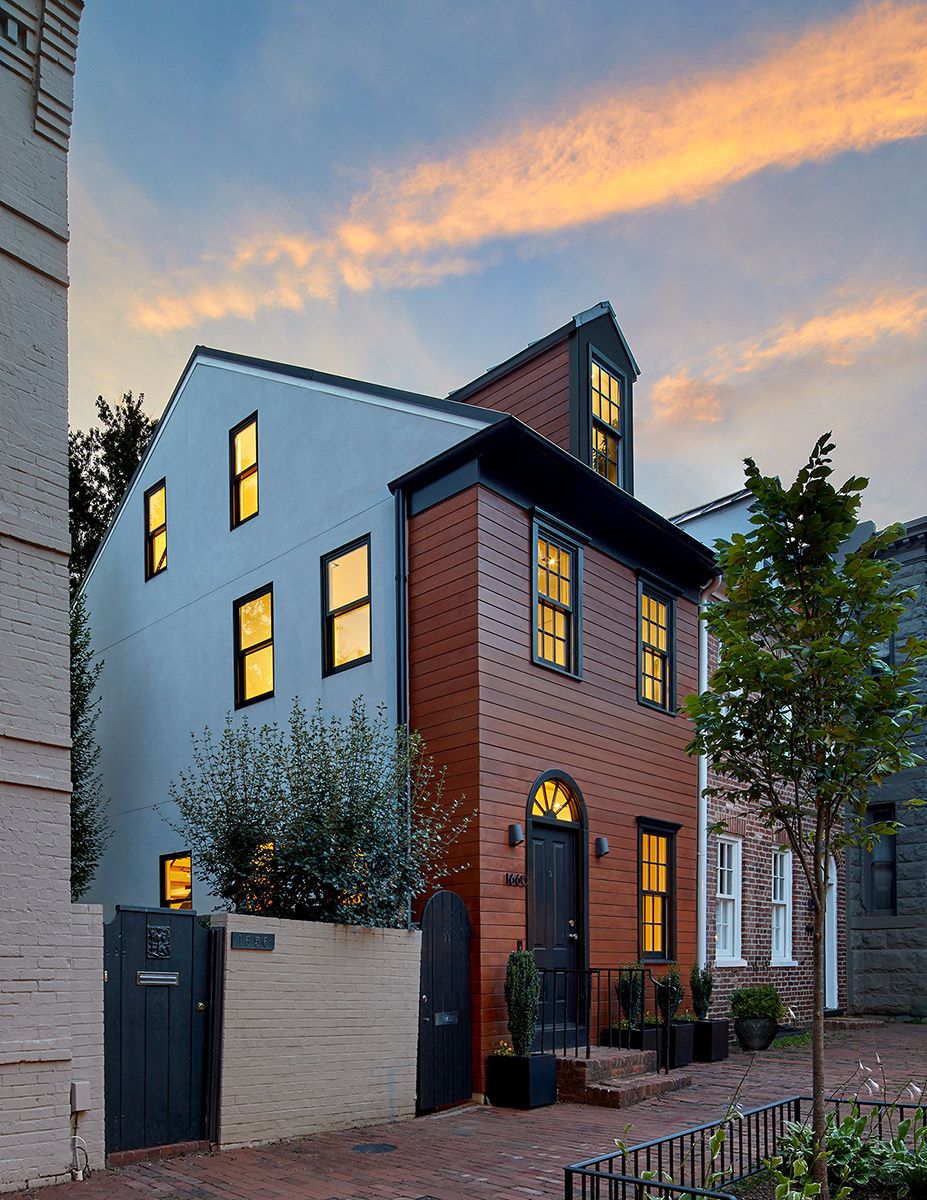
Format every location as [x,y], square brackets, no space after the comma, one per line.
[483,1153]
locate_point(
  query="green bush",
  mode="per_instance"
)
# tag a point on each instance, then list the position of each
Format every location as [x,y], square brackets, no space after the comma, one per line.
[522,998]
[757,1002]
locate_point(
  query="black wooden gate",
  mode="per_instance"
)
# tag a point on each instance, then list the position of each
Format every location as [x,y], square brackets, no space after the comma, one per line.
[155,1027]
[445,1073]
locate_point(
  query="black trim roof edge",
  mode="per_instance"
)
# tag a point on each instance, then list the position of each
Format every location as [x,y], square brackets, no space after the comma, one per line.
[603,308]
[443,463]
[345,381]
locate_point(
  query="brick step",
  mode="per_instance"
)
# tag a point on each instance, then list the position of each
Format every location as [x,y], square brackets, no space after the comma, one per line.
[576,1075]
[620,1093]
[852,1022]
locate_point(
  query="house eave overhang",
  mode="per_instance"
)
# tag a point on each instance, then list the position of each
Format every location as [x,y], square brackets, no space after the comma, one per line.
[512,460]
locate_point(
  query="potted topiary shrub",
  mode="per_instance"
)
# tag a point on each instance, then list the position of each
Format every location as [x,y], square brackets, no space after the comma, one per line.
[522,1079]
[669,998]
[710,1038]
[629,989]
[756,1012]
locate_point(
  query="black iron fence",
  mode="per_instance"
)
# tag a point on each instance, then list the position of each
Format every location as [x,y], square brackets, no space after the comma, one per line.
[602,1006]
[686,1158]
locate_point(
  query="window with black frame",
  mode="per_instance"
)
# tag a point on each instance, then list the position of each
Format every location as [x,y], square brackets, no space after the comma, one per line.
[879,865]
[243,469]
[156,530]
[605,394]
[254,646]
[557,588]
[657,671]
[657,888]
[346,606]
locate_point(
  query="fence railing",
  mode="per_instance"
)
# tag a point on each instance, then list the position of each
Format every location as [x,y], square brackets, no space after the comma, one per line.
[611,1006]
[685,1157]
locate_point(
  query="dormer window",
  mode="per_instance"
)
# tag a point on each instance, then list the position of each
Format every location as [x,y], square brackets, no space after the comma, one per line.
[605,391]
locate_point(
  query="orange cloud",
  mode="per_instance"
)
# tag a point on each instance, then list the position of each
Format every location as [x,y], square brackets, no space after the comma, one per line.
[851,84]
[838,337]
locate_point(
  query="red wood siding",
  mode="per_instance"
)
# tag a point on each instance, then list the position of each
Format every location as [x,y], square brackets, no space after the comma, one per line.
[498,721]
[537,392]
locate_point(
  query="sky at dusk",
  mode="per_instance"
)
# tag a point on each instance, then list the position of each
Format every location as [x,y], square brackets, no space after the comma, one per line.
[410,191]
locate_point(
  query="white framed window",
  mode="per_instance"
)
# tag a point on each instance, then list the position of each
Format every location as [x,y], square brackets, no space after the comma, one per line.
[781,906]
[728,902]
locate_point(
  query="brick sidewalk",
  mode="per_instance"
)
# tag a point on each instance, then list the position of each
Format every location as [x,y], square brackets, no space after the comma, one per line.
[498,1154]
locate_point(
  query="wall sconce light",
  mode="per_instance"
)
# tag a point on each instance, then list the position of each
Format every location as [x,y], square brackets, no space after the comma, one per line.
[516,835]
[601,847]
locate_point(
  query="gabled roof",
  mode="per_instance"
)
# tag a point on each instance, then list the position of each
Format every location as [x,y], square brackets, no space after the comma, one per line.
[602,309]
[206,355]
[509,458]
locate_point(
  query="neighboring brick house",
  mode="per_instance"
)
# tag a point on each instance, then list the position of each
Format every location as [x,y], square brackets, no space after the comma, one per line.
[50,951]
[479,564]
[886,886]
[754,901]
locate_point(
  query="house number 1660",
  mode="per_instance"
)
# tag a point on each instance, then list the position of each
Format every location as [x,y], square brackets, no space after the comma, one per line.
[514,880]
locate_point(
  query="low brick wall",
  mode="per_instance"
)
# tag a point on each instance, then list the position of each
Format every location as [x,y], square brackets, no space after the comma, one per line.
[320,1033]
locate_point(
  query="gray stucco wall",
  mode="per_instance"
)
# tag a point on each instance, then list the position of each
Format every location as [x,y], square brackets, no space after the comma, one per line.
[325,456]
[887,954]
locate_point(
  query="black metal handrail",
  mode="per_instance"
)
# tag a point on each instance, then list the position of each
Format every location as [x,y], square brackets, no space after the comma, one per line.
[591,1187]
[685,1157]
[580,1007]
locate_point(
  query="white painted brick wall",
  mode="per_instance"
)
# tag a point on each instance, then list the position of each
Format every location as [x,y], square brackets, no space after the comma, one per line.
[320,1033]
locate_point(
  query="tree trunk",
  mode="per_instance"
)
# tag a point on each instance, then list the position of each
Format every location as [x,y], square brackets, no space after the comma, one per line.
[819,1117]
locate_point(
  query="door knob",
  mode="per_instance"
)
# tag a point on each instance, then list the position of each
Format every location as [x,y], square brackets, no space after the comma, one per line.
[201,1007]
[573,936]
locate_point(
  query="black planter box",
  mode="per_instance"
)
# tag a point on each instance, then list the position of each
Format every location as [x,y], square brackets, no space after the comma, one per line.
[681,1042]
[712,1041]
[517,1082]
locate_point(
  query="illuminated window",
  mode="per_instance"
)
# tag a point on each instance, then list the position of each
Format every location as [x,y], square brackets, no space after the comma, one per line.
[176,880]
[261,896]
[554,800]
[657,853]
[156,530]
[605,393]
[244,471]
[557,589]
[782,906]
[346,606]
[254,646]
[657,685]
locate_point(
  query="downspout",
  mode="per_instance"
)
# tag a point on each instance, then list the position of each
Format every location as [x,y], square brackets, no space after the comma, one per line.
[402,644]
[701,854]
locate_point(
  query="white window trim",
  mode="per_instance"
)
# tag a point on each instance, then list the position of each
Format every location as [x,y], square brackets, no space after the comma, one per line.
[786,904]
[736,897]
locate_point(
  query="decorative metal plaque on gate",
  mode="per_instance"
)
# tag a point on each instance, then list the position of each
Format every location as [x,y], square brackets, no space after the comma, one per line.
[158,941]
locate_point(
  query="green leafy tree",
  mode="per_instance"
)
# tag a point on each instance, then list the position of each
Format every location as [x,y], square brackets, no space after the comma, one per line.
[101,462]
[329,820]
[802,718]
[89,826]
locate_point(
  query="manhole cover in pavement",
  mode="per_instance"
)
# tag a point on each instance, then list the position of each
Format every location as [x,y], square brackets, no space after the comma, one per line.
[373,1148]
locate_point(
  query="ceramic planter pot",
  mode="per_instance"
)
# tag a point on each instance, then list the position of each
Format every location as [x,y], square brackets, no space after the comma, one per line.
[518,1082]
[712,1041]
[755,1033]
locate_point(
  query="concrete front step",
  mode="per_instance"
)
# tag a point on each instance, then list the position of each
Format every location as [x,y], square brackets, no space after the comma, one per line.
[576,1075]
[620,1093]
[852,1022]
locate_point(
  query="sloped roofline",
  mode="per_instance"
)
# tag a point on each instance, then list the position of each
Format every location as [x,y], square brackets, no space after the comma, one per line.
[603,308]
[207,354]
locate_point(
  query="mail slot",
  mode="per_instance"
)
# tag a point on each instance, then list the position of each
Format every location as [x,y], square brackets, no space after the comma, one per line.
[157,978]
[448,1018]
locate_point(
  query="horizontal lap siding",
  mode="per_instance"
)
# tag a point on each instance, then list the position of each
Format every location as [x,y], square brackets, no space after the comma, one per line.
[627,760]
[537,392]
[497,721]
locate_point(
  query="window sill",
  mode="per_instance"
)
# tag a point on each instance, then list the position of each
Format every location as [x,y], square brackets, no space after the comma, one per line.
[731,962]
[784,962]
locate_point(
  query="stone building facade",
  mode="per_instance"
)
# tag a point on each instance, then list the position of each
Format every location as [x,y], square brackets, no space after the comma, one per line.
[886,886]
[50,950]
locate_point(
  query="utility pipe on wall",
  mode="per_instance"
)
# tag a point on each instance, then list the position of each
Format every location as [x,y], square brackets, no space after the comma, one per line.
[709,593]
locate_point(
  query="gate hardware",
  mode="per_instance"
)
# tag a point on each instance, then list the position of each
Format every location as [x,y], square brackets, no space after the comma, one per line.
[446,1018]
[164,978]
[201,1007]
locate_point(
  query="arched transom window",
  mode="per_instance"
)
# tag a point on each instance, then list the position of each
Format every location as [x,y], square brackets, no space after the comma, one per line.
[554,800]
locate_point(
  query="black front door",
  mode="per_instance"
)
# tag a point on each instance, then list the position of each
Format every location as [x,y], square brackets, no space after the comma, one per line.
[155,1025]
[554,927]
